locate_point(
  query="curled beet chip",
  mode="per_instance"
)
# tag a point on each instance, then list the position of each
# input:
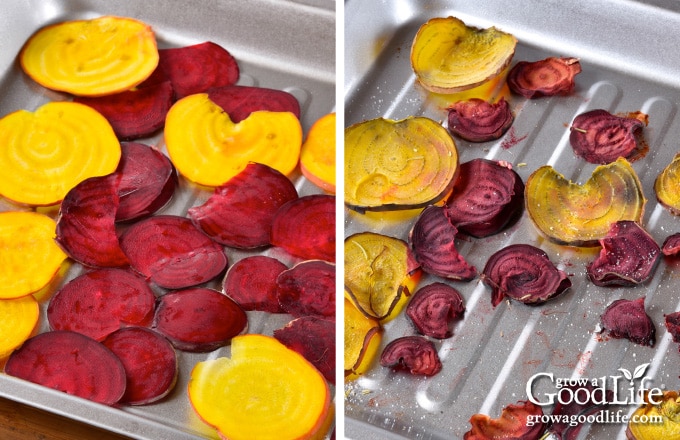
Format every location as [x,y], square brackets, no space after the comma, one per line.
[600,137]
[308,288]
[627,319]
[672,322]
[671,245]
[433,308]
[314,339]
[415,354]
[251,282]
[547,77]
[524,273]
[477,120]
[241,101]
[512,424]
[576,409]
[629,256]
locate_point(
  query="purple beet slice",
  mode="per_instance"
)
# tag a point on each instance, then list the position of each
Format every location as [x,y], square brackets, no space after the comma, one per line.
[314,339]
[524,273]
[251,282]
[150,364]
[305,227]
[672,322]
[101,301]
[240,213]
[671,245]
[171,252]
[72,363]
[547,77]
[241,101]
[593,404]
[487,197]
[199,319]
[308,289]
[627,319]
[477,120]
[432,240]
[600,137]
[415,354]
[433,309]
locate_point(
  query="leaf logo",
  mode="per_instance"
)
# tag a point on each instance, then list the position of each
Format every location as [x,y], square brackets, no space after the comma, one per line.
[637,373]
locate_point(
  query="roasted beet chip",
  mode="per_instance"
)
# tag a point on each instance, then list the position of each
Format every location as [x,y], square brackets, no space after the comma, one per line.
[672,322]
[251,282]
[512,424]
[415,354]
[627,319]
[671,245]
[313,338]
[433,308]
[308,288]
[577,408]
[547,77]
[600,137]
[241,101]
[477,120]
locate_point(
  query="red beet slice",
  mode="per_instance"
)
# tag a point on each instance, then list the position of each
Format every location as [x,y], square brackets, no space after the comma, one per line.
[241,101]
[86,223]
[314,339]
[600,137]
[199,319]
[150,364]
[432,239]
[240,212]
[511,425]
[72,363]
[627,319]
[134,114]
[547,77]
[308,289]
[251,282]
[562,429]
[416,354]
[672,322]
[671,245]
[524,273]
[148,181]
[477,120]
[100,302]
[170,252]
[487,197]
[433,308]
[305,227]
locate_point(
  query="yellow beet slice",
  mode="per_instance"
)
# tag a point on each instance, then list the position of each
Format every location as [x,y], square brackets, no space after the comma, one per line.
[667,186]
[30,257]
[18,318]
[93,57]
[362,339]
[647,426]
[317,158]
[580,215]
[392,165]
[47,152]
[448,56]
[208,148]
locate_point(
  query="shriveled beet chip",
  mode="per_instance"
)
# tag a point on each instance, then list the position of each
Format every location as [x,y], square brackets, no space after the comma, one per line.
[432,239]
[150,364]
[487,197]
[171,252]
[240,212]
[314,339]
[433,308]
[600,137]
[627,319]
[416,354]
[305,227]
[672,322]
[562,429]
[671,245]
[100,302]
[199,319]
[72,363]
[308,289]
[86,224]
[251,282]
[629,256]
[511,425]
[524,273]
[477,120]
[241,101]
[547,77]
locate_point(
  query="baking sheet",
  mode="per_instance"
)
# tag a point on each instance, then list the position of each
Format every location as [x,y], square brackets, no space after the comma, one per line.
[279,44]
[628,51]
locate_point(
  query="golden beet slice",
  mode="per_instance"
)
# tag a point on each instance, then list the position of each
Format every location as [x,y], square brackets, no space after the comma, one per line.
[448,56]
[581,214]
[666,409]
[391,165]
[317,158]
[667,186]
[18,318]
[362,339]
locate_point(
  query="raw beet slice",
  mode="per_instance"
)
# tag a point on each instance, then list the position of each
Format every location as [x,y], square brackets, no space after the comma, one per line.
[672,322]
[477,120]
[100,302]
[511,425]
[671,245]
[600,137]
[487,197]
[240,212]
[241,101]
[308,289]
[86,224]
[629,256]
[72,363]
[305,227]
[547,77]
[170,252]
[251,282]
[432,240]
[416,354]
[433,308]
[148,181]
[314,339]
[150,364]
[134,113]
[524,273]
[627,319]
[199,319]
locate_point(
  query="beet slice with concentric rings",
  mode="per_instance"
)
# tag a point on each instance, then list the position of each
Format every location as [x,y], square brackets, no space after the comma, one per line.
[241,101]
[433,309]
[415,354]
[308,289]
[477,120]
[547,77]
[600,137]
[314,339]
[251,282]
[627,319]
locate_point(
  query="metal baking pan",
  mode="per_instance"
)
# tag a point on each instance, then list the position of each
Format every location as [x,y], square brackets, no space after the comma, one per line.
[282,44]
[630,59]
